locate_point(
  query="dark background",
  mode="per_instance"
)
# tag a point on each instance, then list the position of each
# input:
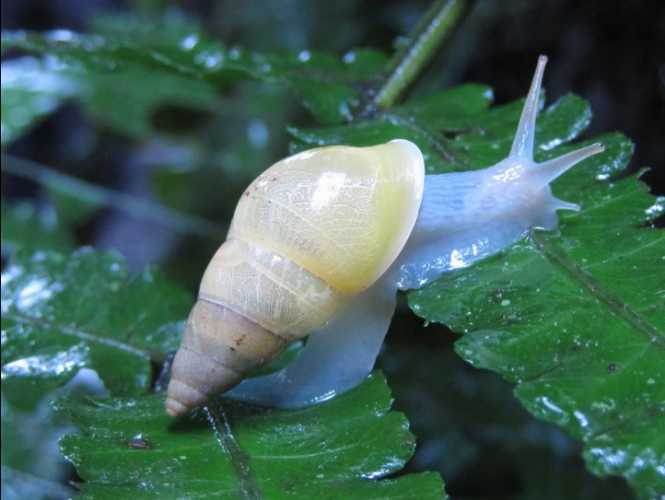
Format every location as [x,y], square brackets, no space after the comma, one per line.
[611,53]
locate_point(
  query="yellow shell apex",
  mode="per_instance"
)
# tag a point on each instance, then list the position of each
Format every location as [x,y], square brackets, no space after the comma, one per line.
[343,213]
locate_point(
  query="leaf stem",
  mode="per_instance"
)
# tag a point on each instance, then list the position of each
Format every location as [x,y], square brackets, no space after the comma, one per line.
[221,427]
[407,63]
[102,196]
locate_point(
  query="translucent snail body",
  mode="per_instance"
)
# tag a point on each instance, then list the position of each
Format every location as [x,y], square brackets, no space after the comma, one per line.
[321,242]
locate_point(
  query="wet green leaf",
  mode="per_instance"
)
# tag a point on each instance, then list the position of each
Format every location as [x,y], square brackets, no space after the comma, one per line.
[29,92]
[340,449]
[124,100]
[595,368]
[472,416]
[575,318]
[61,314]
[127,70]
[453,129]
[61,318]
[539,314]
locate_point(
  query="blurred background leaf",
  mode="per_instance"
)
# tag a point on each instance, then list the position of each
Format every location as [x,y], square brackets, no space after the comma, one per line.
[30,91]
[31,462]
[25,226]
[129,66]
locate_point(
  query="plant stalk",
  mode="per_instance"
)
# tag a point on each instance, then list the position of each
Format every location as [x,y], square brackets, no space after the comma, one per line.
[102,196]
[407,63]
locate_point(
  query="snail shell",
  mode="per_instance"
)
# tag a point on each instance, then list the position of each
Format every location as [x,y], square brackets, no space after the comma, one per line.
[312,231]
[321,242]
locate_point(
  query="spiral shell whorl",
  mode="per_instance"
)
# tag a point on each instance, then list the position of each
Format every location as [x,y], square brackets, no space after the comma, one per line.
[219,347]
[252,303]
[343,213]
[269,289]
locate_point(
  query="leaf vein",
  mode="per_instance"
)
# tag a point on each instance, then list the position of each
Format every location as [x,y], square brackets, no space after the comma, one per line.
[78,333]
[614,304]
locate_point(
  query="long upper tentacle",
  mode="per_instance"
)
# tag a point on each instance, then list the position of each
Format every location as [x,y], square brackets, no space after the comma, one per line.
[526,130]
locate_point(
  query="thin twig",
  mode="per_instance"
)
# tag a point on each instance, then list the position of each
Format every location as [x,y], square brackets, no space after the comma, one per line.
[408,62]
[103,196]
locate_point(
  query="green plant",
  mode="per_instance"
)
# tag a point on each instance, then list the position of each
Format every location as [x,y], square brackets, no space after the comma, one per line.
[597,370]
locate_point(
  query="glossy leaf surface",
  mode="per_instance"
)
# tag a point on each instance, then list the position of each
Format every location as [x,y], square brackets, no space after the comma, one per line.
[473,416]
[574,317]
[61,314]
[30,91]
[339,449]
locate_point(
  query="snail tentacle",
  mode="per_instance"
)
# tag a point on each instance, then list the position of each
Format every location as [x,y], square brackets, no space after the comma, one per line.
[549,170]
[526,129]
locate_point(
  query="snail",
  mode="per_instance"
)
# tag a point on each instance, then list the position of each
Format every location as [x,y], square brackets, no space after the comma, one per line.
[321,242]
